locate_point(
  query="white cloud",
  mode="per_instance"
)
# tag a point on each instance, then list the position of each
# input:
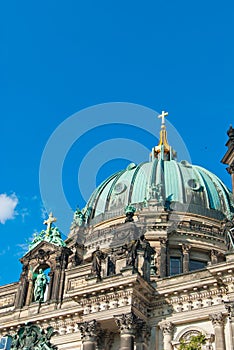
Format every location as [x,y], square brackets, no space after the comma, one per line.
[7,207]
[43,213]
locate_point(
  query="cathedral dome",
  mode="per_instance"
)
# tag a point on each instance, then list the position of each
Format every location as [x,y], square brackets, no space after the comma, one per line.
[179,186]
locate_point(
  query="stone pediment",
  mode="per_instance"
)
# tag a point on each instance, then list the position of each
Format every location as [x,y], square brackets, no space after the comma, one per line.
[43,245]
[44,252]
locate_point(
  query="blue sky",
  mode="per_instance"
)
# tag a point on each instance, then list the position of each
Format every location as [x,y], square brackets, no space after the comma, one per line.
[57,58]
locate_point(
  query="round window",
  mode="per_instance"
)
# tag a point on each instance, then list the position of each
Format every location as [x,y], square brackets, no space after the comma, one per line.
[194,184]
[119,188]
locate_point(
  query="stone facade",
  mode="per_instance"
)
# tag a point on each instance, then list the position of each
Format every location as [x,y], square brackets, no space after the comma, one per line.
[144,283]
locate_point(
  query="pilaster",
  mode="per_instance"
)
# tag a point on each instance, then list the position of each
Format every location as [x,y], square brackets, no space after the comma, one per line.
[142,338]
[230,308]
[163,256]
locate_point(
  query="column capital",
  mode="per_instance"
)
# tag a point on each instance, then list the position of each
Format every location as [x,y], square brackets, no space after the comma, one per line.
[166,327]
[217,319]
[230,308]
[89,329]
[126,322]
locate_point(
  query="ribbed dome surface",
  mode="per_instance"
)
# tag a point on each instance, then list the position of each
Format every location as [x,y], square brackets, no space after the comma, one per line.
[184,186]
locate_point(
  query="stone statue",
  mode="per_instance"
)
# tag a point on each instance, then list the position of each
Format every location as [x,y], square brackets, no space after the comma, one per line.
[228,232]
[145,203]
[55,237]
[14,342]
[45,339]
[40,286]
[78,218]
[31,337]
[97,257]
[37,238]
[131,259]
[87,214]
[111,264]
[129,211]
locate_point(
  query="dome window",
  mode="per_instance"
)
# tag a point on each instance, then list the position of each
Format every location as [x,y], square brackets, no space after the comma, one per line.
[194,184]
[119,188]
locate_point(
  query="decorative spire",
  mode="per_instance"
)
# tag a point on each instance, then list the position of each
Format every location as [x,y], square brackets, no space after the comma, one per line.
[163,133]
[163,150]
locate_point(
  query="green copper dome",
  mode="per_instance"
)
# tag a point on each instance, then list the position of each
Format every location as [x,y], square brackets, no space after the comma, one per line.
[179,186]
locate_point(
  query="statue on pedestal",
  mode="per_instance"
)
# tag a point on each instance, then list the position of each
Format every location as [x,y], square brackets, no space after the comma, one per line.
[40,286]
[129,211]
[131,259]
[97,257]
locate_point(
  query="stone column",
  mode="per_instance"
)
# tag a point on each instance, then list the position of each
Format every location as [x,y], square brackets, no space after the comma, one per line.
[51,275]
[218,324]
[62,280]
[143,333]
[56,278]
[185,250]
[89,331]
[167,329]
[22,289]
[105,340]
[230,308]
[126,324]
[30,292]
[163,256]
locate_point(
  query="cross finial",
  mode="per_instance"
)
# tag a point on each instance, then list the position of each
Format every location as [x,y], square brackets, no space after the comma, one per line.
[49,221]
[163,115]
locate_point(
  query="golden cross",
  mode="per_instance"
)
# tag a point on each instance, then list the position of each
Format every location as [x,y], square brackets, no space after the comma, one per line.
[163,115]
[49,221]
